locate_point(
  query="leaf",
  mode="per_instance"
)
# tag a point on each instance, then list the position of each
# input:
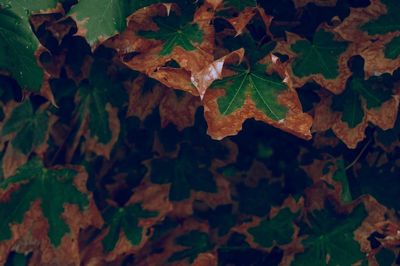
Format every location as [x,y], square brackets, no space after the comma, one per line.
[252,94]
[240,5]
[278,230]
[330,238]
[259,200]
[386,23]
[322,60]
[30,127]
[186,172]
[221,217]
[175,31]
[380,182]
[392,49]
[24,8]
[99,20]
[96,99]
[18,46]
[196,241]
[53,187]
[341,177]
[349,103]
[124,219]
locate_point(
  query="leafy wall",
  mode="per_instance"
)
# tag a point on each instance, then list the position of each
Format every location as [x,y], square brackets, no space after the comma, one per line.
[202,132]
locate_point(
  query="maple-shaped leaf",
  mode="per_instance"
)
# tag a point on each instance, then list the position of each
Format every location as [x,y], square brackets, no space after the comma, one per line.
[323,60]
[124,219]
[96,100]
[278,230]
[18,45]
[52,187]
[330,238]
[350,101]
[185,173]
[99,20]
[196,242]
[175,30]
[392,49]
[30,127]
[253,93]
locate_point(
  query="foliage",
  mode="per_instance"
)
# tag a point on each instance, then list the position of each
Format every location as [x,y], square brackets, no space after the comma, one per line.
[212,132]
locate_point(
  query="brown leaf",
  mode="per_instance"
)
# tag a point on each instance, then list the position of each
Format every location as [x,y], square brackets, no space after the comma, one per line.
[205,77]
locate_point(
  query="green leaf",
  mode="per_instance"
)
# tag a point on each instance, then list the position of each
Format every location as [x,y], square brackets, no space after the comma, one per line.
[262,88]
[185,173]
[196,241]
[341,177]
[29,127]
[94,96]
[53,188]
[389,22]
[18,45]
[175,31]
[24,8]
[259,200]
[124,219]
[380,182]
[392,49]
[101,18]
[240,5]
[276,231]
[349,102]
[319,57]
[330,238]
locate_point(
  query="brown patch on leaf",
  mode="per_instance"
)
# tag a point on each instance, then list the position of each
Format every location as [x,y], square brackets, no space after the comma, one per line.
[179,110]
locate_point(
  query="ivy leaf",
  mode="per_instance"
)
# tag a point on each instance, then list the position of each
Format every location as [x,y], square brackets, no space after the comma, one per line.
[389,22]
[124,219]
[262,88]
[18,45]
[330,239]
[319,57]
[100,20]
[53,187]
[175,31]
[392,49]
[30,127]
[196,241]
[185,173]
[276,231]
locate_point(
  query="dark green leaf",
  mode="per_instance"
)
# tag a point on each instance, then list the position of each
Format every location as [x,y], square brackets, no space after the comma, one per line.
[276,231]
[389,22]
[124,219]
[392,49]
[330,238]
[30,127]
[196,241]
[319,57]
